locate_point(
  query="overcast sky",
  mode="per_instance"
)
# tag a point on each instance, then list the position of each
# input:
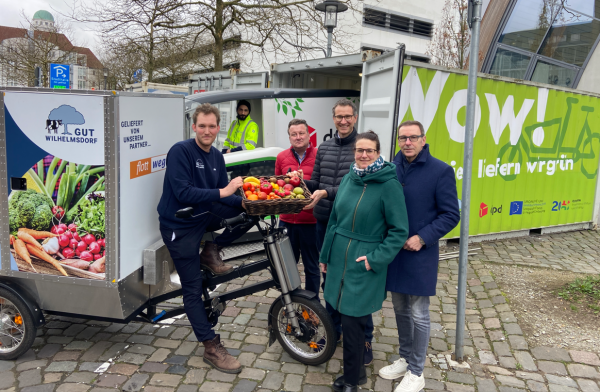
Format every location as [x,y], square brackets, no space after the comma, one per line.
[11,16]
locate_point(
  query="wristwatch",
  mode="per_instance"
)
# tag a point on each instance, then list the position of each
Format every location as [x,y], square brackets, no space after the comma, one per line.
[421,240]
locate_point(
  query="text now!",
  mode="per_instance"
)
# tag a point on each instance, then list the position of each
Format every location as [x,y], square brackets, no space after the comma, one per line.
[147,166]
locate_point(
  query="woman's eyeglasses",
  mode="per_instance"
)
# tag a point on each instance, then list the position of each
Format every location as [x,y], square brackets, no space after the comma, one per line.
[360,151]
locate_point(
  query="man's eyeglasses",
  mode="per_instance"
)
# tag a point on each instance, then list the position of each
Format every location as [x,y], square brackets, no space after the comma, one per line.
[340,118]
[360,151]
[413,138]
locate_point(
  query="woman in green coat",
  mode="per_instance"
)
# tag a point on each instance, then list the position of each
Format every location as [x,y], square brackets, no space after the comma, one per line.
[367,228]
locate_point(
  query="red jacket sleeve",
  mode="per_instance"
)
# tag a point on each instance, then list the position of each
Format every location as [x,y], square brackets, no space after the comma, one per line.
[278,164]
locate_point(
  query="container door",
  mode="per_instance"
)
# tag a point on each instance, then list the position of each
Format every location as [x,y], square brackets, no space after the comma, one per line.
[379,98]
[250,81]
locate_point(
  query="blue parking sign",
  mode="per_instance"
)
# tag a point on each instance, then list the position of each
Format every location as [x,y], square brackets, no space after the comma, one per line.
[59,76]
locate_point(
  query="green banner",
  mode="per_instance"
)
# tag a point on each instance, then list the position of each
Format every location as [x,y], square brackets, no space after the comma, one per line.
[535,154]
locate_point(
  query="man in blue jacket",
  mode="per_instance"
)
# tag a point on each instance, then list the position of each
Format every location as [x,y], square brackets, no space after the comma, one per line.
[432,205]
[196,177]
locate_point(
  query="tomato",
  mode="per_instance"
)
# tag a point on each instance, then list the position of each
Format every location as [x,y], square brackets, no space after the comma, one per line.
[247,186]
[262,196]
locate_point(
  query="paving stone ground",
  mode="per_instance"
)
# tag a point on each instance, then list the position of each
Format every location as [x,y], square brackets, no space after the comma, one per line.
[68,352]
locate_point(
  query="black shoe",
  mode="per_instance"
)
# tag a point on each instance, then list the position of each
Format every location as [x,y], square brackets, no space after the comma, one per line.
[368,355]
[339,385]
[350,388]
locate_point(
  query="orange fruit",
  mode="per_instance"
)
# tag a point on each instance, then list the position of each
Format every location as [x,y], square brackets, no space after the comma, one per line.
[248,193]
[253,197]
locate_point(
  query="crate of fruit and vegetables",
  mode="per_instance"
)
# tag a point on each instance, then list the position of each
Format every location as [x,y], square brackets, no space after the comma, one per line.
[274,195]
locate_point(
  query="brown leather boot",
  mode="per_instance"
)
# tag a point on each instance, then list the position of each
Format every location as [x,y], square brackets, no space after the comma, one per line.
[210,259]
[217,356]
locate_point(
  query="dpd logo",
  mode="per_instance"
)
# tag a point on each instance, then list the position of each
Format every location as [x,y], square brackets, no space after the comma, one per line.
[484,209]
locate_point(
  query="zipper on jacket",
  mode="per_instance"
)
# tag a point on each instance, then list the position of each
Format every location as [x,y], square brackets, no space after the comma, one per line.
[347,248]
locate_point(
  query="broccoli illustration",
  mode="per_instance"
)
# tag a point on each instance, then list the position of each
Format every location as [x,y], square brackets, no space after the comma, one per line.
[29,209]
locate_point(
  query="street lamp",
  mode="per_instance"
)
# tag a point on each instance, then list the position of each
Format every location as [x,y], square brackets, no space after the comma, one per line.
[331,8]
[105,76]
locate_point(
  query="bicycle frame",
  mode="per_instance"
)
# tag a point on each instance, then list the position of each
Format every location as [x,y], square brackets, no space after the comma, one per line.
[557,150]
[283,279]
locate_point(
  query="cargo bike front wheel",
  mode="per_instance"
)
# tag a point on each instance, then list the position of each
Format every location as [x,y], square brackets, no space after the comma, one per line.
[317,339]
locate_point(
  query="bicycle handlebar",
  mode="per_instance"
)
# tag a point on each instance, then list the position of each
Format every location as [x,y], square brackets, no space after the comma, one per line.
[236,220]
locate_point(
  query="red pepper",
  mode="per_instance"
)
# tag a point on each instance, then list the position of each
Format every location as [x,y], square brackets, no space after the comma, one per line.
[266,187]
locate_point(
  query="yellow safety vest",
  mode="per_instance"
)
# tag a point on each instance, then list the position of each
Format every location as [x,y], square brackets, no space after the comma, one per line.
[242,134]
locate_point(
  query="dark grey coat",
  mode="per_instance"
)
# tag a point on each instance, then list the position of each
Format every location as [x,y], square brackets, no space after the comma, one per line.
[331,165]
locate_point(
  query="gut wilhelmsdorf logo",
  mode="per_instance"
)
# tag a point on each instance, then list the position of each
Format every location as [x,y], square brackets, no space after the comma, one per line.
[65,116]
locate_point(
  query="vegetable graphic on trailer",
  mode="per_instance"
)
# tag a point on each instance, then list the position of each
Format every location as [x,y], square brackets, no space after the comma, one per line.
[65,115]
[56,201]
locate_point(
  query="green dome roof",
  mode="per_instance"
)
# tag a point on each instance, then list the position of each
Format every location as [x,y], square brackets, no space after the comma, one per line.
[44,15]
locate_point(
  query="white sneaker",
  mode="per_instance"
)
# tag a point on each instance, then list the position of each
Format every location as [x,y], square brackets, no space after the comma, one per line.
[411,383]
[395,370]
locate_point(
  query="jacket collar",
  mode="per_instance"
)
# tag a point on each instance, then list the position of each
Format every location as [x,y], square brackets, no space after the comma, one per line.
[242,123]
[347,140]
[421,158]
[306,153]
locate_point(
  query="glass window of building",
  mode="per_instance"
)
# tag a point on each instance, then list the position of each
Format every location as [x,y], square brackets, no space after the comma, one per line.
[510,64]
[553,74]
[571,37]
[528,23]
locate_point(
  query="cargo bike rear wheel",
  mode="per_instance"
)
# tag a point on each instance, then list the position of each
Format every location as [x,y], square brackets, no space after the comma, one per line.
[17,330]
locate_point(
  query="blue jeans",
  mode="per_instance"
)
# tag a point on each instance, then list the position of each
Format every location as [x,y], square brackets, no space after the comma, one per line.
[335,315]
[412,319]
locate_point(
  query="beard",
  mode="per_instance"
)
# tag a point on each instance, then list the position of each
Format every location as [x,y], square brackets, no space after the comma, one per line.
[242,117]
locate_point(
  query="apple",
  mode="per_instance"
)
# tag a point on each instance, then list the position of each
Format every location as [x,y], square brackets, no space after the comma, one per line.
[295,181]
[280,183]
[288,187]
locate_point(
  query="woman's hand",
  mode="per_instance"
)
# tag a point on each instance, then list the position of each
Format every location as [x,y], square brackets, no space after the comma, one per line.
[323,268]
[361,258]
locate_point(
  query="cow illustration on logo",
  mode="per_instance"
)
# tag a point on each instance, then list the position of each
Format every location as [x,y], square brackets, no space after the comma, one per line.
[64,115]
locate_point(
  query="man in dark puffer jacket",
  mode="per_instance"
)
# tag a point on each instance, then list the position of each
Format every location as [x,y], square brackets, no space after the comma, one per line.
[332,163]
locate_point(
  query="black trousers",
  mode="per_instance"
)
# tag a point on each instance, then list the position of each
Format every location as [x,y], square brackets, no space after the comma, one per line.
[302,238]
[184,247]
[354,347]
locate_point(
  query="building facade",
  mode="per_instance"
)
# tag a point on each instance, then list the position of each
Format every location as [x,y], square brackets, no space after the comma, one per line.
[22,50]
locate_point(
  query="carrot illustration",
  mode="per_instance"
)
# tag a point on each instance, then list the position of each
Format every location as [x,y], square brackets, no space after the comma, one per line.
[22,252]
[38,235]
[46,257]
[28,239]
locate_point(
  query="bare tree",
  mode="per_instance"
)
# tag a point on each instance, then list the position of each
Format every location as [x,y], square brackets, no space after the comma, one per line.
[449,45]
[20,56]
[264,27]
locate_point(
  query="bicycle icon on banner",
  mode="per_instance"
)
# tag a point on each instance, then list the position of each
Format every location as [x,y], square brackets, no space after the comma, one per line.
[529,144]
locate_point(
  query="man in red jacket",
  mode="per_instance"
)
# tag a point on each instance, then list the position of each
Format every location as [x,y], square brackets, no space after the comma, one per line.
[301,227]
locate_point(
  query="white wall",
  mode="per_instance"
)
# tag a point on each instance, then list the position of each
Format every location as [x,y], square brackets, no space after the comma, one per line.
[590,80]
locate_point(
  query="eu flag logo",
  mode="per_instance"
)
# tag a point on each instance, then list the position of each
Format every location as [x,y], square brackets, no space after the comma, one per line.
[516,208]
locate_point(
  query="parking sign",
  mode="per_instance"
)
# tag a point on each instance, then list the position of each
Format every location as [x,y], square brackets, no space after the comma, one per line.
[59,76]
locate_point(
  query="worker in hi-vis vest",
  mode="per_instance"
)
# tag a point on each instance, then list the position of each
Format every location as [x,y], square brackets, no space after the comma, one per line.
[243,132]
